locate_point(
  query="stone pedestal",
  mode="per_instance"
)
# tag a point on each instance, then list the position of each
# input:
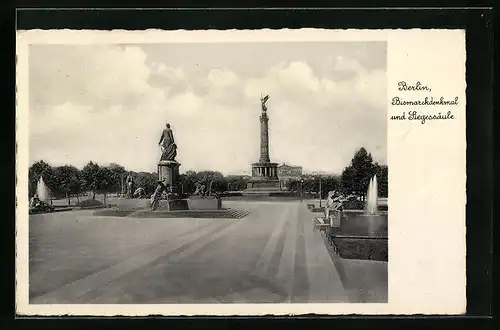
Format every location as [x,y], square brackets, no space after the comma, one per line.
[204,203]
[335,218]
[168,173]
[193,203]
[264,176]
[173,205]
[267,185]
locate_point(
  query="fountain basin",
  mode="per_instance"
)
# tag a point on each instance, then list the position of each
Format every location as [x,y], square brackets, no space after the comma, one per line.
[358,247]
[360,230]
[360,224]
[360,236]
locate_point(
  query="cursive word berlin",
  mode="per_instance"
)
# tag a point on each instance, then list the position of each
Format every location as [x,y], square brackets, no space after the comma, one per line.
[414,115]
[403,86]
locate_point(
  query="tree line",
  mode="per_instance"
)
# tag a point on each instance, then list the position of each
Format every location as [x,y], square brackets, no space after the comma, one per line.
[219,183]
[354,179]
[67,180]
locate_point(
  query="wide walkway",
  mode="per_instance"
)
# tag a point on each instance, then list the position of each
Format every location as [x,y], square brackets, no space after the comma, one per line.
[272,255]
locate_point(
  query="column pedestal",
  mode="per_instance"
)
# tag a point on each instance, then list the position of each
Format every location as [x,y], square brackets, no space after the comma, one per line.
[168,173]
[266,178]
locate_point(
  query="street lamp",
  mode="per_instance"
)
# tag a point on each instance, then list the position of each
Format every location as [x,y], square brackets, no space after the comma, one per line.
[320,190]
[301,188]
[122,186]
[319,176]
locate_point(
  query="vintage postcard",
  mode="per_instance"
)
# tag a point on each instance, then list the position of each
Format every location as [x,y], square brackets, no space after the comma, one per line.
[263,172]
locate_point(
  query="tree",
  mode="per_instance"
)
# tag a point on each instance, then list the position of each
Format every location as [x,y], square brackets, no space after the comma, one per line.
[105,181]
[236,182]
[37,170]
[90,177]
[188,182]
[219,183]
[328,184]
[348,182]
[68,181]
[147,181]
[311,184]
[356,176]
[118,173]
[294,185]
[382,180]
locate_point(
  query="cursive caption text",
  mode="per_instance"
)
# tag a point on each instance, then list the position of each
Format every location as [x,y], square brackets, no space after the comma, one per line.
[427,102]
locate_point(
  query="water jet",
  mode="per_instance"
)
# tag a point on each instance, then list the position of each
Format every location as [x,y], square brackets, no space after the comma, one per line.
[42,190]
[371,222]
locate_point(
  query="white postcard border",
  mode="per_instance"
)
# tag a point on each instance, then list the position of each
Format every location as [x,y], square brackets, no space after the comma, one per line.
[426,163]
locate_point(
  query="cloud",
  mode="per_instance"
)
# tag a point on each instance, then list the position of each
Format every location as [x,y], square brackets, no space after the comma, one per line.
[108,104]
[167,77]
[98,76]
[221,78]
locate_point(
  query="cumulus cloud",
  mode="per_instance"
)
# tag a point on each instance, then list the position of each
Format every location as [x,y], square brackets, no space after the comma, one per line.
[109,104]
[166,77]
[221,78]
[98,76]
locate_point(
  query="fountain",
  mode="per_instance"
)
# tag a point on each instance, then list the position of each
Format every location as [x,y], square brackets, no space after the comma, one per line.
[372,197]
[362,233]
[40,204]
[375,224]
[367,222]
[42,190]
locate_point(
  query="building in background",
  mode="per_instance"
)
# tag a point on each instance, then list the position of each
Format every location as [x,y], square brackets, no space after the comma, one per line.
[287,173]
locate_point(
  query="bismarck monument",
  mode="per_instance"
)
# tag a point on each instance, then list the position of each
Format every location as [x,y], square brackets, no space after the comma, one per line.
[166,195]
[264,173]
[168,167]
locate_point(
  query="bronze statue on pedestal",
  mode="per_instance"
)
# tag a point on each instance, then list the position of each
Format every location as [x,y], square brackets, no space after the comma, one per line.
[167,144]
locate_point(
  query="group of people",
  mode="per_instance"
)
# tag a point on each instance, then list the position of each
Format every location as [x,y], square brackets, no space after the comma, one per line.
[130,185]
[334,200]
[334,204]
[201,188]
[36,205]
[157,195]
[35,202]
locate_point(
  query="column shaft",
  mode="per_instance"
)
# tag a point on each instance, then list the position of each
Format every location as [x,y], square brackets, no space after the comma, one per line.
[264,138]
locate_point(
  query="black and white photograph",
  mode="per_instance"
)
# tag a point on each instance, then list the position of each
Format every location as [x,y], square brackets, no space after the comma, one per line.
[202,173]
[195,172]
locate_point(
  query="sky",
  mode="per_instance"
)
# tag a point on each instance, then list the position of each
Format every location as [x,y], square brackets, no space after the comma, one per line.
[109,103]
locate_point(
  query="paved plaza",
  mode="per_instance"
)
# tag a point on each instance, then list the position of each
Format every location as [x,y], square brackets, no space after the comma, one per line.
[273,255]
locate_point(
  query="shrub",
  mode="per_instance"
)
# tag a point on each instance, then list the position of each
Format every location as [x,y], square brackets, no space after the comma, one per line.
[90,202]
[230,194]
[353,205]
